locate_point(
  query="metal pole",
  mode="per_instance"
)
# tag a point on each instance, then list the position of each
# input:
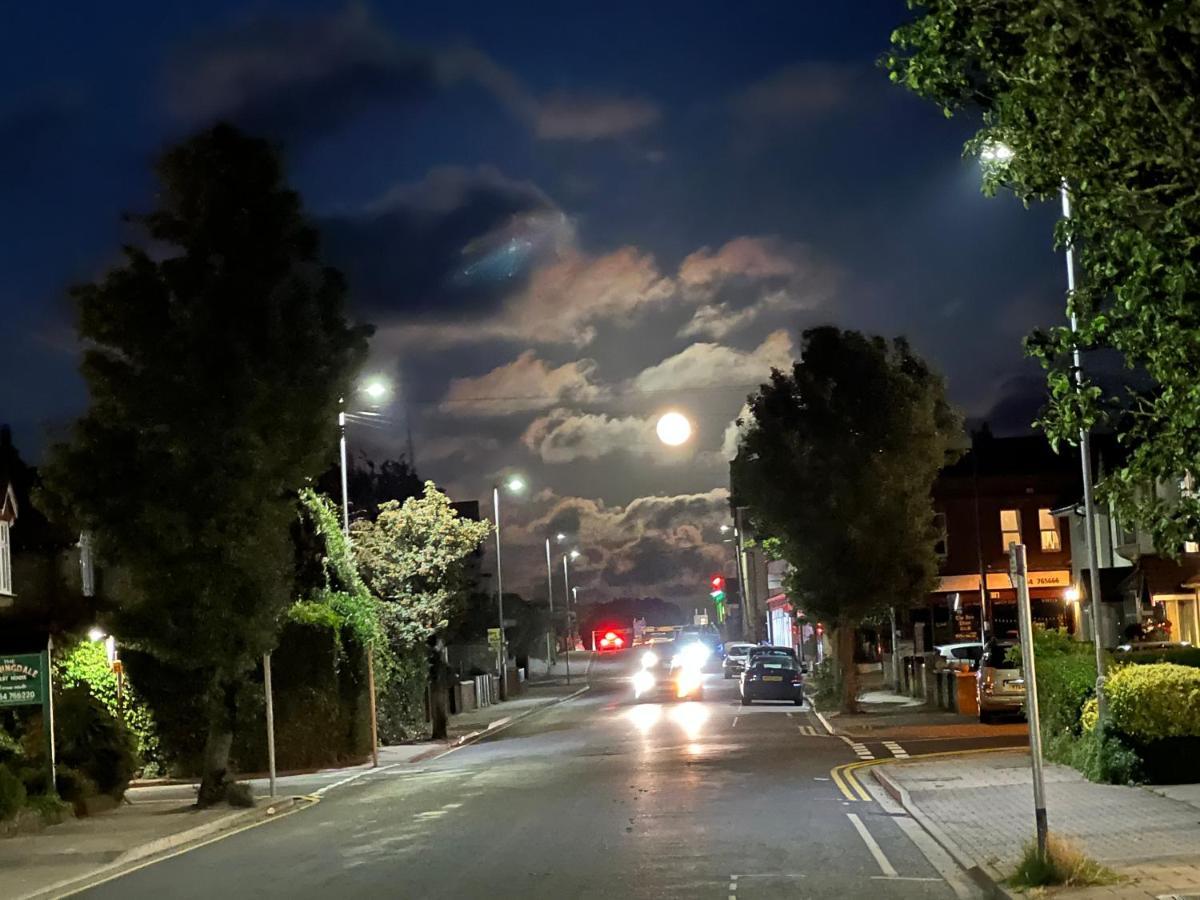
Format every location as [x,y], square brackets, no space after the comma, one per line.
[371,694]
[500,595]
[345,491]
[895,651]
[552,632]
[270,720]
[747,611]
[983,617]
[1085,458]
[1018,566]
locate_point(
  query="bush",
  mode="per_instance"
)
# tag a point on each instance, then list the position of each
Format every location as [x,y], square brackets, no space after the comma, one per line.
[1107,757]
[12,793]
[1185,656]
[92,742]
[1152,702]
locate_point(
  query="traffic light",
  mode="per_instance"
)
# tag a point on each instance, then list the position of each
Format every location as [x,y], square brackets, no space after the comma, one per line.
[717,585]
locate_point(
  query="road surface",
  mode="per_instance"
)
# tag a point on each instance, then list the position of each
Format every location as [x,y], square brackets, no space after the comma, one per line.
[596,797]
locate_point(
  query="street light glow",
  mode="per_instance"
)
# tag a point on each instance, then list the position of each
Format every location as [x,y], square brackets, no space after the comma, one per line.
[515,484]
[560,537]
[96,633]
[574,554]
[673,429]
[996,152]
[375,388]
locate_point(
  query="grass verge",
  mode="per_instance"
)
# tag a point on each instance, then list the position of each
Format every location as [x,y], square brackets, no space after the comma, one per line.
[1062,864]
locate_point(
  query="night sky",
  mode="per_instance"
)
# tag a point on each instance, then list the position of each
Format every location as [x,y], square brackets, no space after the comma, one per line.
[562,219]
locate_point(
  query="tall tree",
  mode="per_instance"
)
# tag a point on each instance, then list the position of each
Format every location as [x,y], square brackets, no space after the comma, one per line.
[215,356]
[1101,95]
[836,462]
[412,557]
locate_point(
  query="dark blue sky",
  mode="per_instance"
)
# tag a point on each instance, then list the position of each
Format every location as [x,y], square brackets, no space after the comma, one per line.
[581,206]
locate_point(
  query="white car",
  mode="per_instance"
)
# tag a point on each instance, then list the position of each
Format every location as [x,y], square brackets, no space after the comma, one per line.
[735,658]
[969,653]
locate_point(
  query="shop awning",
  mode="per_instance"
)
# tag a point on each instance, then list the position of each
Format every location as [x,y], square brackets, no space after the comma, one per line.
[999,581]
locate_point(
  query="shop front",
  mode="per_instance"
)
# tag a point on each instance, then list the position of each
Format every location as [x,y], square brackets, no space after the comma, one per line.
[954,608]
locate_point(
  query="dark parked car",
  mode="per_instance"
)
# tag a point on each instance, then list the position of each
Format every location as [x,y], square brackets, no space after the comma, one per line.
[772,677]
[771,651]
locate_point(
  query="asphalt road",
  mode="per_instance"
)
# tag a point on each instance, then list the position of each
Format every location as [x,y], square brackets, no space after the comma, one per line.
[596,797]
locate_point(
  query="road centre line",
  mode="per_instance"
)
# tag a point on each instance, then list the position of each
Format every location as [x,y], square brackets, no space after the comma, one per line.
[885,865]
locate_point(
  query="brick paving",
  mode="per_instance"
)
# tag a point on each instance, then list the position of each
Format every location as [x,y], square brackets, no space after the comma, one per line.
[984,804]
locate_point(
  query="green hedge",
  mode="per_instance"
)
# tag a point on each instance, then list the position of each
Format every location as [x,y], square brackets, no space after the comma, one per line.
[1153,702]
[1185,656]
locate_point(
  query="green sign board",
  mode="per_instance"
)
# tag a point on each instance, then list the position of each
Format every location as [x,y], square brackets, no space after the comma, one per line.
[23,679]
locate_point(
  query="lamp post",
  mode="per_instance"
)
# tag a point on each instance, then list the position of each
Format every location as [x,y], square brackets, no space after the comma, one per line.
[376,390]
[998,154]
[574,554]
[515,484]
[551,631]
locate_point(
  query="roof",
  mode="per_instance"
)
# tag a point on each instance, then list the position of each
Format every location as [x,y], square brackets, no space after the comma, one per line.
[1160,575]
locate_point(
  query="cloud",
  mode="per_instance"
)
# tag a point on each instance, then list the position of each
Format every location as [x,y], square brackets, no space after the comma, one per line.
[526,383]
[714,365]
[302,76]
[798,93]
[445,240]
[567,117]
[562,302]
[750,278]
[563,436]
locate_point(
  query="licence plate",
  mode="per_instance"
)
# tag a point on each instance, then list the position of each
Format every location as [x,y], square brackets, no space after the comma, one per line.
[772,678]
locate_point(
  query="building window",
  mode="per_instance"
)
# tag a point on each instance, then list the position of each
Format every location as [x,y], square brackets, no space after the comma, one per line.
[941,546]
[1010,527]
[1048,525]
[1191,547]
[5,560]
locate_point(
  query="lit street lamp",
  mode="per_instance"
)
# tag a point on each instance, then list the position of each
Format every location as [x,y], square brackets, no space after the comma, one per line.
[998,153]
[515,484]
[376,390]
[574,554]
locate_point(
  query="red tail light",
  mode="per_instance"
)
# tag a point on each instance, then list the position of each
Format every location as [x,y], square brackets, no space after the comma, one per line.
[611,636]
[619,642]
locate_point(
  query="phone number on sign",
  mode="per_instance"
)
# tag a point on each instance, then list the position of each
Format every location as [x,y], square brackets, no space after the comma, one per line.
[17,696]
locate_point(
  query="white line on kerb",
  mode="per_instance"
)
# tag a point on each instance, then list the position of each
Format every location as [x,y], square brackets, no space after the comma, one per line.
[876,851]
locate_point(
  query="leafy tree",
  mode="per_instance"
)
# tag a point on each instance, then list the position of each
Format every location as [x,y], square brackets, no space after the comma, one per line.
[1101,94]
[412,557]
[836,463]
[215,357]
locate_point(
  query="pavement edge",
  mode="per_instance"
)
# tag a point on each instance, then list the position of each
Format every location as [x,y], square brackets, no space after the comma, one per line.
[986,878]
[189,838]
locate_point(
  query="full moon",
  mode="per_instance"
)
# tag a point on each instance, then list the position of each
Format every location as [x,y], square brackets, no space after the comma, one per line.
[673,429]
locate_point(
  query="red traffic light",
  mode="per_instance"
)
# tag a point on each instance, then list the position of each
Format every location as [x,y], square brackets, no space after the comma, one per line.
[717,582]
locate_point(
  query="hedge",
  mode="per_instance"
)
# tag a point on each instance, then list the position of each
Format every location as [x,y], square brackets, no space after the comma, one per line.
[1182,656]
[1153,702]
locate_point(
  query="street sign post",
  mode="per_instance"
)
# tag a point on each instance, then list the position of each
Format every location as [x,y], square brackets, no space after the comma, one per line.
[1019,569]
[25,681]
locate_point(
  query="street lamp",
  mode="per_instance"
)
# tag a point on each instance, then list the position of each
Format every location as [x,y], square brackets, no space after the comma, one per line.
[376,390]
[573,554]
[514,484]
[551,632]
[998,153]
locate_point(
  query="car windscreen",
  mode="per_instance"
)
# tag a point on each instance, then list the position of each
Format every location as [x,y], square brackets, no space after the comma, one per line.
[772,652]
[738,651]
[774,664]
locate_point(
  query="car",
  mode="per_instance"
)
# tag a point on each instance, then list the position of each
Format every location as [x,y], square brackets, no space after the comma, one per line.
[969,653]
[735,658]
[1000,687]
[611,641]
[772,677]
[670,671]
[765,650]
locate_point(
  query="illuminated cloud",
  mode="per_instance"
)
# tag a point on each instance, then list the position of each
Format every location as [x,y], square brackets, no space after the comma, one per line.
[714,365]
[562,436]
[526,383]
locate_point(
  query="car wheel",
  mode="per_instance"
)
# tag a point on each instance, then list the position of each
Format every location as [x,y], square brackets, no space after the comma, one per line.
[985,716]
[746,701]
[728,675]
[799,701]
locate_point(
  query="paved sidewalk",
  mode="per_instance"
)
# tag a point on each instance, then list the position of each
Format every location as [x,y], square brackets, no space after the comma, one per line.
[885,716]
[980,807]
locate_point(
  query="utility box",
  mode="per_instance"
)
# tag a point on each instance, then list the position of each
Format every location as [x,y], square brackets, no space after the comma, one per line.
[966,700]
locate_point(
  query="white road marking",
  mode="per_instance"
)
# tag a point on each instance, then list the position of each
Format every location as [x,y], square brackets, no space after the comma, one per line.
[876,851]
[896,750]
[452,806]
[903,878]
[734,725]
[432,814]
[820,778]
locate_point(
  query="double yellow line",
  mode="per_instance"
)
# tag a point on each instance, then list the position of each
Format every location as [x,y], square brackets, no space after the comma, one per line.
[845,776]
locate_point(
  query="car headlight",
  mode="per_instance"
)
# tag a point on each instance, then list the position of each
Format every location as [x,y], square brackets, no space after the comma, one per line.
[649,659]
[643,682]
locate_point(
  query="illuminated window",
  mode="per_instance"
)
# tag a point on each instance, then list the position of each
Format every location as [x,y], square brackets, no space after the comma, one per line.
[1010,528]
[5,561]
[941,547]
[1048,526]
[1191,547]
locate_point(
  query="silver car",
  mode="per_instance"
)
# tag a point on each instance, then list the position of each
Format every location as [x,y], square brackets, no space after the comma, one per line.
[999,684]
[735,659]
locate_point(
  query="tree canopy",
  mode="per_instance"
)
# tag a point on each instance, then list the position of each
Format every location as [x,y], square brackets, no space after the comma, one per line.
[412,558]
[836,463]
[1101,95]
[214,357]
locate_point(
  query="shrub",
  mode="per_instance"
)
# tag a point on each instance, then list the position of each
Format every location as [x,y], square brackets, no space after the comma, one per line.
[1106,756]
[91,741]
[1156,701]
[1184,656]
[12,793]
